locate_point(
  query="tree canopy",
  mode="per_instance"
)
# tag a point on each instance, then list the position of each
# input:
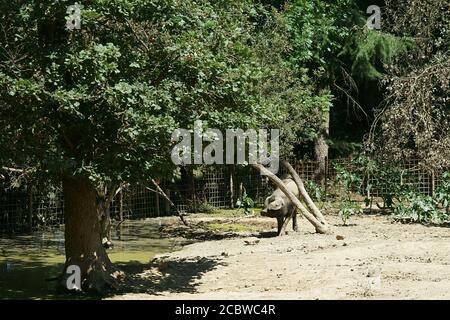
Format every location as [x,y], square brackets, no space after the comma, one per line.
[414,120]
[102,101]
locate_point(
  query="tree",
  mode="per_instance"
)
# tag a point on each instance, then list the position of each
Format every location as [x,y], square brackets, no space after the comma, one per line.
[97,106]
[333,46]
[414,120]
[319,31]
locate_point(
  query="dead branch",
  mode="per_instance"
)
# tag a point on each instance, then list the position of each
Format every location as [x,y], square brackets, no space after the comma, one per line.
[162,193]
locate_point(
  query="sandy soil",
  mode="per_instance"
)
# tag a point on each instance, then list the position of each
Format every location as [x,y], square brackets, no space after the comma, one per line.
[411,262]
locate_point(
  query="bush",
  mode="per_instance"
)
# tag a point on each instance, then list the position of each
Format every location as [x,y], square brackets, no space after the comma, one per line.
[443,192]
[201,207]
[416,207]
[347,209]
[315,191]
[348,181]
[246,203]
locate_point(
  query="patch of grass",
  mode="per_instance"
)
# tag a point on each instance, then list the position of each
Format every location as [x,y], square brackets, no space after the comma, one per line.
[232,213]
[230,227]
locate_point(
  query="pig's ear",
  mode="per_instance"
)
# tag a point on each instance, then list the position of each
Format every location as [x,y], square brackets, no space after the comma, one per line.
[270,199]
[276,205]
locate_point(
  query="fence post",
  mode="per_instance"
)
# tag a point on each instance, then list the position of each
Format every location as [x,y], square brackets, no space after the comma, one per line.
[30,207]
[241,190]
[327,165]
[157,204]
[167,209]
[232,187]
[121,205]
[433,182]
[194,191]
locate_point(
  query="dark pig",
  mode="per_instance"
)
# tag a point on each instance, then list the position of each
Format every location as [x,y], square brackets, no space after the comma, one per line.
[280,207]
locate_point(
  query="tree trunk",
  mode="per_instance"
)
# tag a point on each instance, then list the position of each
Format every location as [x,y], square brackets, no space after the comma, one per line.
[301,188]
[321,149]
[320,228]
[83,237]
[105,225]
[104,201]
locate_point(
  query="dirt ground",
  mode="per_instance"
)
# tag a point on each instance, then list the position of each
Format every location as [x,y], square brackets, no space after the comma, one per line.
[376,259]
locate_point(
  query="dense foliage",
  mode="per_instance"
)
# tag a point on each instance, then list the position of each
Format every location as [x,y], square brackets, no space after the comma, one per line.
[414,121]
[398,188]
[103,101]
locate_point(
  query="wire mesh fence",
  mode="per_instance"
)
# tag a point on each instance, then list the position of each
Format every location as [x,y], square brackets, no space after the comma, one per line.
[14,211]
[201,190]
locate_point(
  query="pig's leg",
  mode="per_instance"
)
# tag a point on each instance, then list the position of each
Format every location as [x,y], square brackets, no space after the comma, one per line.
[294,220]
[285,224]
[280,222]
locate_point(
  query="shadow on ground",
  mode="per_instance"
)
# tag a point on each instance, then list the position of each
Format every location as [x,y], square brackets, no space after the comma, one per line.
[175,276]
[204,231]
[267,234]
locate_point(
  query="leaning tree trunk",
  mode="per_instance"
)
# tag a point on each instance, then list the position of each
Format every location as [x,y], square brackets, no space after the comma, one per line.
[162,193]
[320,228]
[301,187]
[83,241]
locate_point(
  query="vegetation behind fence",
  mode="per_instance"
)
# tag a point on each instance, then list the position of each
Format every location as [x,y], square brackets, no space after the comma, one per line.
[29,207]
